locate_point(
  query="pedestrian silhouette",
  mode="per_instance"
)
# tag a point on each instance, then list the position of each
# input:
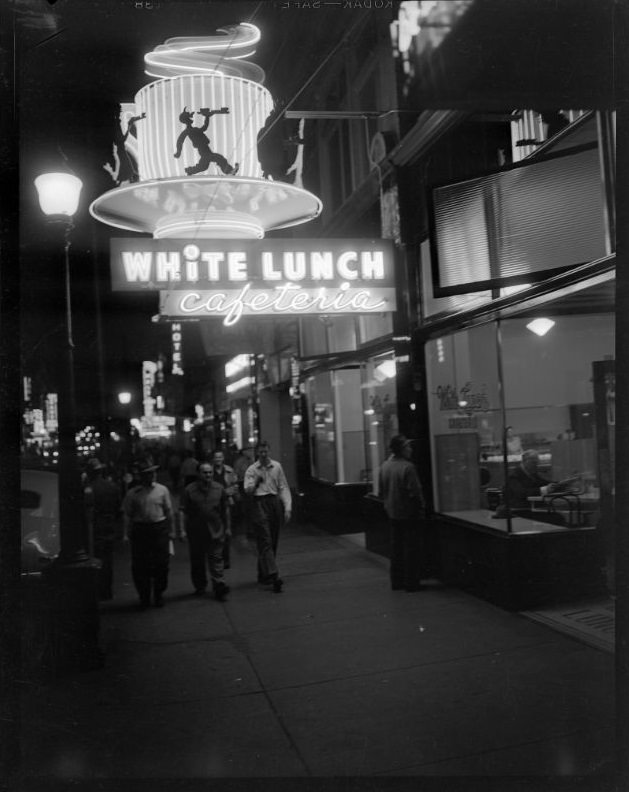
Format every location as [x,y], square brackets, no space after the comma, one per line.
[201,143]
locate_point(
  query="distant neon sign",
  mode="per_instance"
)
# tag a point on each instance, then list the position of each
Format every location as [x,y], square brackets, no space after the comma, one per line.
[177,358]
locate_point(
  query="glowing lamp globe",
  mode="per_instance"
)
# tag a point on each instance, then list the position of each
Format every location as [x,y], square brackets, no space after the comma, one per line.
[124,397]
[58,193]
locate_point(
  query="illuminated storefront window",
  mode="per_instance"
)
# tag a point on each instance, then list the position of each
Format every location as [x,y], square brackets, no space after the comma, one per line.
[379,413]
[532,383]
[348,444]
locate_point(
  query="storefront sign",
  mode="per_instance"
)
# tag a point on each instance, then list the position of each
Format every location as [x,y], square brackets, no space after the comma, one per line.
[149,367]
[462,400]
[156,425]
[232,278]
[52,421]
[469,422]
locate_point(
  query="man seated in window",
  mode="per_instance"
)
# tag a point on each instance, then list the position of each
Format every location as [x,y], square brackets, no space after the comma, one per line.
[522,483]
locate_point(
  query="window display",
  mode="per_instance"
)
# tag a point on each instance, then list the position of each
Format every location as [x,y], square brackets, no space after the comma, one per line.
[353,415]
[380,413]
[513,417]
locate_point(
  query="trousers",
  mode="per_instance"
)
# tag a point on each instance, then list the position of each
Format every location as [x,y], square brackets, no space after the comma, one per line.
[205,551]
[207,157]
[406,540]
[150,558]
[267,518]
[104,551]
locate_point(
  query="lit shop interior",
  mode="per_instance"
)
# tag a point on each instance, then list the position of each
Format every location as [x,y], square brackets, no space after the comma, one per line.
[351,409]
[536,374]
[525,383]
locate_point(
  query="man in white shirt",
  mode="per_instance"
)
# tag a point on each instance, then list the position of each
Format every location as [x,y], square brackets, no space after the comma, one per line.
[271,508]
[147,512]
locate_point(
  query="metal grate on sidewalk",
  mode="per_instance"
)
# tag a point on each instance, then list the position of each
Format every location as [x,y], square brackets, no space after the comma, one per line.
[592,623]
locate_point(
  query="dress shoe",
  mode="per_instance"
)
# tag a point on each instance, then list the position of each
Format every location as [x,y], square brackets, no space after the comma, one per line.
[144,604]
[277,585]
[221,592]
[159,601]
[200,592]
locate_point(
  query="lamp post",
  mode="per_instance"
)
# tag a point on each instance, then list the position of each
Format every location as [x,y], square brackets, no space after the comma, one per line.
[59,199]
[73,601]
[124,398]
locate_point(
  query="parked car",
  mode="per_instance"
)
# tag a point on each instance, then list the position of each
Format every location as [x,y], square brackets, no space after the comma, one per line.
[39,506]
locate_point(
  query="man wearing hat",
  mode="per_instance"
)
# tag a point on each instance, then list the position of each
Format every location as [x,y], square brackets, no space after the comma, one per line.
[147,513]
[401,492]
[102,505]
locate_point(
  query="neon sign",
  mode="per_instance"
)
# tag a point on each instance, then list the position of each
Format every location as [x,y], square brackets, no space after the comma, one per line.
[190,153]
[242,278]
[177,359]
[286,300]
[149,369]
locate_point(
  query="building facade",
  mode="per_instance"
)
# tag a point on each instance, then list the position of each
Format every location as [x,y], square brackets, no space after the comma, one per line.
[502,213]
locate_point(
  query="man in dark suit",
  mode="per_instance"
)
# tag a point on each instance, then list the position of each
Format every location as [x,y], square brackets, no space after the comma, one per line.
[523,483]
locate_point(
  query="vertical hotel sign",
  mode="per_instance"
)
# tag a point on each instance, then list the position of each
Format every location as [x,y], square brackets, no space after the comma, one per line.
[228,279]
[177,360]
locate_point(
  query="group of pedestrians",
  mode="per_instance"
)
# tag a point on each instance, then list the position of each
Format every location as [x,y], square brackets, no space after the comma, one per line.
[207,507]
[216,497]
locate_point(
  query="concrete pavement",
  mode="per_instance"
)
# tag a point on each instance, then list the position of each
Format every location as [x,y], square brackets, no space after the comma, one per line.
[338,676]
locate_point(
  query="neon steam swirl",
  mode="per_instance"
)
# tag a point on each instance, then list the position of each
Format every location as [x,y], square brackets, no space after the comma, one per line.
[221,54]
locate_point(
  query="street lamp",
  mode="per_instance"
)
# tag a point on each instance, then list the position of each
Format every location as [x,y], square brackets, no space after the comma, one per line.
[59,199]
[124,398]
[72,577]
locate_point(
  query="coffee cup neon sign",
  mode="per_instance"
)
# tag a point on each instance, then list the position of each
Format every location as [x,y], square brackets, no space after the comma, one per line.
[191,153]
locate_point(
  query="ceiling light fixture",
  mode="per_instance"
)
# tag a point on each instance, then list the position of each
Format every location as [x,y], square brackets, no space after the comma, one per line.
[385,370]
[541,326]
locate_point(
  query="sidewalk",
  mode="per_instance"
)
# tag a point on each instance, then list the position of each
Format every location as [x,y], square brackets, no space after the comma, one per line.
[336,676]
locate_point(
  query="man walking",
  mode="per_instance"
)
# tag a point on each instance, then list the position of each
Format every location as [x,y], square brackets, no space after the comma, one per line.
[202,507]
[401,491]
[102,506]
[225,476]
[271,508]
[147,522]
[189,468]
[240,510]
